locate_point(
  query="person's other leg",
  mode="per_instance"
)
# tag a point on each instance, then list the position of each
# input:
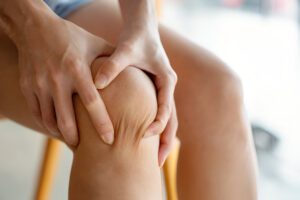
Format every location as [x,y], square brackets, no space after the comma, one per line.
[217,158]
[128,169]
[217,154]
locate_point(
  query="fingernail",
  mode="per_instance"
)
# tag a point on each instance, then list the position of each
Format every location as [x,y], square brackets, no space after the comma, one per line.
[108,138]
[101,81]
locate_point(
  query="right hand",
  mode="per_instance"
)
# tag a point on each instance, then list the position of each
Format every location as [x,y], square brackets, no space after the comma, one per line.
[55,56]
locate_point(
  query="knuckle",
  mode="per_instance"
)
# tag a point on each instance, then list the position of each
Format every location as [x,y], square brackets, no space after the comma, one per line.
[39,83]
[71,61]
[55,81]
[166,108]
[89,97]
[127,47]
[54,73]
[172,76]
[24,84]
[65,125]
[161,124]
[74,66]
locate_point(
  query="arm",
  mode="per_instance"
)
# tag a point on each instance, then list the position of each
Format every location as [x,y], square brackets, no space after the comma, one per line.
[139,45]
[54,58]
[139,14]
[128,169]
[15,15]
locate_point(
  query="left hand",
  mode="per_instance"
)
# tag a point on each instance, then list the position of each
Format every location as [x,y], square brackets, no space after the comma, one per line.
[140,46]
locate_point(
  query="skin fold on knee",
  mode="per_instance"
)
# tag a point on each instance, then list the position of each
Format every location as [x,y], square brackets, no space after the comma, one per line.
[128,169]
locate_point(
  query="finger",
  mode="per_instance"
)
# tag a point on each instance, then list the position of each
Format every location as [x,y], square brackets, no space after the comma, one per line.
[164,99]
[101,47]
[105,48]
[111,67]
[33,104]
[65,116]
[167,138]
[48,114]
[96,109]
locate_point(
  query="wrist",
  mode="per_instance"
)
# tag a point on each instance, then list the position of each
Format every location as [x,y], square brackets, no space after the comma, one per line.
[140,30]
[19,18]
[138,14]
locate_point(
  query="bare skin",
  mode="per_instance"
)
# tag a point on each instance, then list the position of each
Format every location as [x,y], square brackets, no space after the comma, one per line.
[130,164]
[66,67]
[217,159]
[128,169]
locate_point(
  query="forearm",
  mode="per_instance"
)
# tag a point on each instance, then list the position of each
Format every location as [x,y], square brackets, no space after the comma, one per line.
[18,16]
[139,13]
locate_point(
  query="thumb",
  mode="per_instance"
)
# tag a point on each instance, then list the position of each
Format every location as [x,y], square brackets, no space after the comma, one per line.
[99,45]
[111,68]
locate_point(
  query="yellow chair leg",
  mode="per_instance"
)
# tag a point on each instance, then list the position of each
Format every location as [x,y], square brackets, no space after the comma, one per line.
[170,171]
[48,169]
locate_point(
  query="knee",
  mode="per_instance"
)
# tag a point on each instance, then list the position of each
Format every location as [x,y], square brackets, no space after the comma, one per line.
[220,86]
[227,87]
[131,161]
[212,94]
[225,102]
[131,104]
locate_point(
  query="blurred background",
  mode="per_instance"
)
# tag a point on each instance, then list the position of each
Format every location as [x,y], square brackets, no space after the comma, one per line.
[259,40]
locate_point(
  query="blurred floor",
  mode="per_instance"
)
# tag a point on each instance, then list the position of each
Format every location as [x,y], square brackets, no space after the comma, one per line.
[20,153]
[263,51]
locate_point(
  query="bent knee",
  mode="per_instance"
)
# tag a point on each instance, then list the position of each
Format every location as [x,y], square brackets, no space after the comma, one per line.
[227,87]
[213,83]
[130,162]
[131,104]
[211,93]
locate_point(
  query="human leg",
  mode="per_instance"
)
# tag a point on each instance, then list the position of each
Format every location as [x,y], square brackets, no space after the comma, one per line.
[217,156]
[126,170]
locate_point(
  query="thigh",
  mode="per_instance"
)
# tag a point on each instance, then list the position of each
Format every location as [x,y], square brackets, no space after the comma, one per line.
[12,102]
